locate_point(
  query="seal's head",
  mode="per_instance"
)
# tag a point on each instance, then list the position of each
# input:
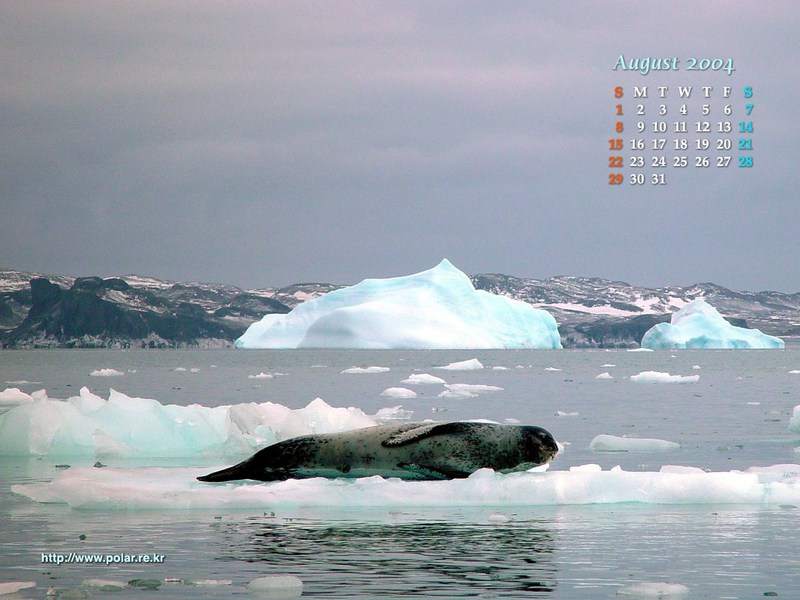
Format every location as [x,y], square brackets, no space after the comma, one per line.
[540,445]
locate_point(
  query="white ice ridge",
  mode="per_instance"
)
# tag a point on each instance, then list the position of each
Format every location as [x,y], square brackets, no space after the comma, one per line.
[699,325]
[437,308]
[90,426]
[114,488]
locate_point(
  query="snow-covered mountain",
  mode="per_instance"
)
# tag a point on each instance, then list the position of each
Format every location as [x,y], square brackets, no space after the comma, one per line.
[135,310]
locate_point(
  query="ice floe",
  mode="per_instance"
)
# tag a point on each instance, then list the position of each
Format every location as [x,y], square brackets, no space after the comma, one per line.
[365,370]
[422,379]
[114,488]
[467,390]
[399,392]
[106,373]
[472,364]
[612,443]
[659,377]
[122,426]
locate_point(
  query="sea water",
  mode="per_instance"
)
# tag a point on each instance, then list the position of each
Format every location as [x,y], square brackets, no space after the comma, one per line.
[734,416]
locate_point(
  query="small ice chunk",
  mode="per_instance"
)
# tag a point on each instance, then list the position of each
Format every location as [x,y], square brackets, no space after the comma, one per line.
[696,367]
[277,586]
[12,587]
[106,373]
[399,392]
[393,413]
[605,375]
[467,390]
[499,368]
[608,365]
[261,375]
[106,585]
[465,365]
[553,369]
[499,518]
[561,413]
[639,350]
[422,379]
[363,370]
[659,377]
[612,443]
[794,372]
[654,590]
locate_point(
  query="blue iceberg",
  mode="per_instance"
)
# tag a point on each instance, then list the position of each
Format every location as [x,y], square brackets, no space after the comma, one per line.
[438,308]
[699,325]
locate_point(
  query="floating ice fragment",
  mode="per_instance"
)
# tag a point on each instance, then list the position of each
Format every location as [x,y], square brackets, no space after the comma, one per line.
[367,370]
[261,375]
[699,325]
[277,586]
[612,443]
[696,367]
[399,392]
[639,350]
[106,373]
[106,585]
[422,379]
[561,413]
[658,377]
[605,375]
[792,372]
[465,365]
[12,587]
[499,368]
[467,390]
[393,413]
[552,369]
[608,365]
[498,518]
[654,590]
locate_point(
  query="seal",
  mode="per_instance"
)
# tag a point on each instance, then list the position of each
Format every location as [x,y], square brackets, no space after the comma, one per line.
[414,451]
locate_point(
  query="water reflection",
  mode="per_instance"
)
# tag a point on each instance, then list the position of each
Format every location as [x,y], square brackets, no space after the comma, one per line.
[387,560]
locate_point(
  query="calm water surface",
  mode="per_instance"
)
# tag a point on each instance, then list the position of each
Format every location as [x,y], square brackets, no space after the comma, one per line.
[736,416]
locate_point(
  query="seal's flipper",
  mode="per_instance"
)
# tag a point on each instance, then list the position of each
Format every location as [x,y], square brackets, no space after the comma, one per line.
[431,473]
[419,431]
[243,470]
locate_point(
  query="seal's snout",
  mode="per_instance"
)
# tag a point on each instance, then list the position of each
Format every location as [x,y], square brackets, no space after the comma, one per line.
[543,443]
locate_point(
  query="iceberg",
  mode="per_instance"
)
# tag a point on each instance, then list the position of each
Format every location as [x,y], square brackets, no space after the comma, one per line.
[435,309]
[699,325]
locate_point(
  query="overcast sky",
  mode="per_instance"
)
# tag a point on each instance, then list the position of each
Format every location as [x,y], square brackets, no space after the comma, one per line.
[269,143]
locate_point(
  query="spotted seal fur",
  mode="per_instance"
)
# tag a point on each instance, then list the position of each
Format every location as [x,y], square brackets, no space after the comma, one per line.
[417,451]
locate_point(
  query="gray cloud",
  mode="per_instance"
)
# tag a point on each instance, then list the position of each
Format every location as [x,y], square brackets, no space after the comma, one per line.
[268,143]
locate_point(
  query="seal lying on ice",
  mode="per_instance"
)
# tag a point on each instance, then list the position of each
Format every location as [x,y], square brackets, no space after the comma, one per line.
[408,451]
